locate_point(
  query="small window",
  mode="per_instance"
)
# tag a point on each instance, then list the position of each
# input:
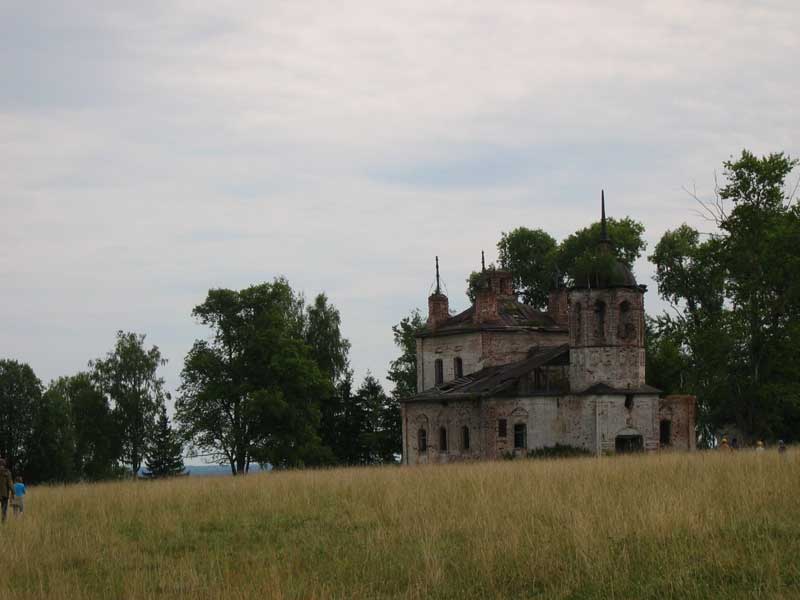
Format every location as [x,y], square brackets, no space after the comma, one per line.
[438,369]
[600,319]
[458,367]
[422,440]
[578,319]
[629,401]
[465,438]
[520,436]
[626,329]
[442,439]
[502,428]
[665,432]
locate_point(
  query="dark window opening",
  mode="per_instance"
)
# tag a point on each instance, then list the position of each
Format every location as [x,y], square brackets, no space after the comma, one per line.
[465,437]
[600,319]
[458,367]
[629,401]
[442,439]
[665,432]
[578,319]
[626,329]
[422,440]
[520,435]
[502,426]
[438,369]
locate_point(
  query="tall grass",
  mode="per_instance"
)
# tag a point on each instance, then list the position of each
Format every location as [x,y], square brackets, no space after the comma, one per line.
[705,525]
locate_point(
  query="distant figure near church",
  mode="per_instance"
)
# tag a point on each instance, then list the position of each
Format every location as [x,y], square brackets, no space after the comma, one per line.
[504,378]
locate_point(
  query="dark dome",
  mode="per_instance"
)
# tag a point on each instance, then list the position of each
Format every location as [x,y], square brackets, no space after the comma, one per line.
[606,274]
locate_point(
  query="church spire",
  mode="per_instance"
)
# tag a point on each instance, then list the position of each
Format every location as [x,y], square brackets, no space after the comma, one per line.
[603,227]
[605,241]
[438,287]
[483,262]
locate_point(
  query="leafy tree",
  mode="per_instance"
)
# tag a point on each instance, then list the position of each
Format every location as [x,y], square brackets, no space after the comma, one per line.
[252,391]
[736,299]
[581,248]
[52,448]
[330,350]
[128,376]
[530,254]
[537,263]
[165,455]
[20,394]
[323,334]
[403,370]
[98,446]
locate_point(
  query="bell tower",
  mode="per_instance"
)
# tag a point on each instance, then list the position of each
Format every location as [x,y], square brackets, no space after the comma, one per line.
[606,323]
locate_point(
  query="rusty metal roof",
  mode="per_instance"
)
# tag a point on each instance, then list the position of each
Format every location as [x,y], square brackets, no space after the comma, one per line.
[491,380]
[511,314]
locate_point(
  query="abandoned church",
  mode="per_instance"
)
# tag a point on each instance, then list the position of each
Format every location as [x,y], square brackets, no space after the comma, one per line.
[502,378]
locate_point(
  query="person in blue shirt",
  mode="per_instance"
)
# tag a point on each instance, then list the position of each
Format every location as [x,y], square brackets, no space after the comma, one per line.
[18,503]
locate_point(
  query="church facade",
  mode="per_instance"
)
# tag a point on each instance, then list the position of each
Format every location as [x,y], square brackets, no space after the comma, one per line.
[502,378]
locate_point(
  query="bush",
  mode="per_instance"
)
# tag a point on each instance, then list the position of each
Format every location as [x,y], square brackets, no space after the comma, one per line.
[558,451]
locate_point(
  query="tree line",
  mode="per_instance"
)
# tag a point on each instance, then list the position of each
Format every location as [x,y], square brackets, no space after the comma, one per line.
[272,384]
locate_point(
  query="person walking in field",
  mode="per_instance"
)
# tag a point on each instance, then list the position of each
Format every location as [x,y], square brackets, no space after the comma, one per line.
[781,447]
[6,488]
[724,447]
[18,504]
[759,446]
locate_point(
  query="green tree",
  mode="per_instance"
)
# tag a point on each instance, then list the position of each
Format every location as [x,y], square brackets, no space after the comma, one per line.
[536,263]
[20,394]
[582,247]
[403,370]
[165,454]
[128,377]
[323,334]
[736,299]
[51,456]
[330,350]
[252,392]
[371,400]
[98,448]
[530,254]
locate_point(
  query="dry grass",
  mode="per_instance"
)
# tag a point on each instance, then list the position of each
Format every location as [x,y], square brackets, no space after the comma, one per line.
[671,526]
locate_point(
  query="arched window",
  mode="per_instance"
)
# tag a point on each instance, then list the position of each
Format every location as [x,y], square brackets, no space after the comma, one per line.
[458,367]
[465,438]
[442,439]
[520,436]
[578,318]
[600,319]
[438,370]
[626,330]
[422,440]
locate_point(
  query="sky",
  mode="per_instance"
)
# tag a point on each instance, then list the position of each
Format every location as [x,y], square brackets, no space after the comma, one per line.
[152,150]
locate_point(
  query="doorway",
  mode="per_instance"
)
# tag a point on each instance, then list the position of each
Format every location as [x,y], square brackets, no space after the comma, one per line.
[625,444]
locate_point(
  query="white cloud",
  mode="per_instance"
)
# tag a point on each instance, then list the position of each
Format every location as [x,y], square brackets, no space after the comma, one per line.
[152,150]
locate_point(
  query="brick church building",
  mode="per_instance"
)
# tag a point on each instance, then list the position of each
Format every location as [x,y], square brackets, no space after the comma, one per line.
[504,378]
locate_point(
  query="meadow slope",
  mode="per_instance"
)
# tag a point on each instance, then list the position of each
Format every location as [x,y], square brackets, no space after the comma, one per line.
[705,525]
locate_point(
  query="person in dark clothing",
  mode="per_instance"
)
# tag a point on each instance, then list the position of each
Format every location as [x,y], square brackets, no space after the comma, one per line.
[6,487]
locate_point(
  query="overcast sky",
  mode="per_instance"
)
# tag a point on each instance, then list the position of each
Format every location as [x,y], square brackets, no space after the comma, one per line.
[151,150]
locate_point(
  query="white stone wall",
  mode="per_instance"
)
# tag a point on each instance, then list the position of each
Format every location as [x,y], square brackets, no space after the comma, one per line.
[588,422]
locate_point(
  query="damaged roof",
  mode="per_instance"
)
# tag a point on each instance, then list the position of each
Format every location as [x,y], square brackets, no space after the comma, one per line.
[510,314]
[491,380]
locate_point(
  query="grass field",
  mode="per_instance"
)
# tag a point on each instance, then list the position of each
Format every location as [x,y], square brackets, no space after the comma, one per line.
[705,525]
